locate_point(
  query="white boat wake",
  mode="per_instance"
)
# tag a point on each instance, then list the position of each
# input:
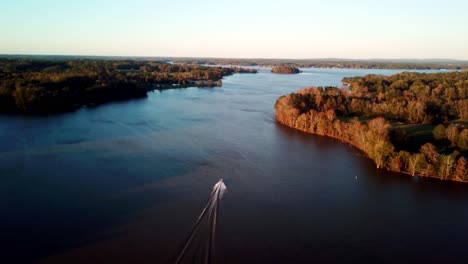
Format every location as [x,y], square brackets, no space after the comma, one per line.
[199,246]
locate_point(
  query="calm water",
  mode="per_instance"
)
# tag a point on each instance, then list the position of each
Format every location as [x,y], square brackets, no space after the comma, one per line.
[124,182]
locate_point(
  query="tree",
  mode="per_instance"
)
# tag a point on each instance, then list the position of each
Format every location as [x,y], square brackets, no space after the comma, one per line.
[463,107]
[461,170]
[430,152]
[429,170]
[452,134]
[21,97]
[381,152]
[463,139]
[446,164]
[416,162]
[364,143]
[395,163]
[404,159]
[379,128]
[302,122]
[338,130]
[439,132]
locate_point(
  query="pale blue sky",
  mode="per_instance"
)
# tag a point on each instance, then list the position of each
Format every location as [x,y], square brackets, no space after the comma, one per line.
[237,28]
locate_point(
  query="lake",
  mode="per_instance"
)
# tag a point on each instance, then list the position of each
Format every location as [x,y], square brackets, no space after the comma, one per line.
[124,183]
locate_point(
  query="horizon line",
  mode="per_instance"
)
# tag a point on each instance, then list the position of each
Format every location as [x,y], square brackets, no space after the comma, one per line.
[239,58]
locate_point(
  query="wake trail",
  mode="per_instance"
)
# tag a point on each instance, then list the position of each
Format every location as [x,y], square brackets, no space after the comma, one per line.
[207,219]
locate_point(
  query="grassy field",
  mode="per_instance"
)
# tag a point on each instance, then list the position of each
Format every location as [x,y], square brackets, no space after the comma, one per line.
[411,137]
[418,134]
[415,135]
[462,122]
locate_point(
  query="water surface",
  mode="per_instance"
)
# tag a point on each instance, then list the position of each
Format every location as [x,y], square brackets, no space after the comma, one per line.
[124,182]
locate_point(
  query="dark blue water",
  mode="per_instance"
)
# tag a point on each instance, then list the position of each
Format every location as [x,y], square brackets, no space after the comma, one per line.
[124,182]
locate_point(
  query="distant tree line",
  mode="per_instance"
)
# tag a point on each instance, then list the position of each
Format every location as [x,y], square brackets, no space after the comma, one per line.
[400,64]
[332,63]
[36,86]
[374,112]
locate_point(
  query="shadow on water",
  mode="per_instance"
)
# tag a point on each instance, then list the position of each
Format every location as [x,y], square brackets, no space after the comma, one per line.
[351,212]
[374,176]
[52,204]
[60,229]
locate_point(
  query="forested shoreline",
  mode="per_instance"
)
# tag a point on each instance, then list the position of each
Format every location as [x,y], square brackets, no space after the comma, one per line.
[43,86]
[339,63]
[333,63]
[412,123]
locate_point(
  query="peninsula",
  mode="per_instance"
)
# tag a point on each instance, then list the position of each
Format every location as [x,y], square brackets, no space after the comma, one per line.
[411,123]
[51,85]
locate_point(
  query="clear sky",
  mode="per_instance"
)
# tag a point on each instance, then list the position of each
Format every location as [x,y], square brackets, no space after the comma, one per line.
[237,28]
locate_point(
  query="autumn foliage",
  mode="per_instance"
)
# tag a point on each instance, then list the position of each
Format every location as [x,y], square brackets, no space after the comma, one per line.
[364,116]
[285,69]
[35,86]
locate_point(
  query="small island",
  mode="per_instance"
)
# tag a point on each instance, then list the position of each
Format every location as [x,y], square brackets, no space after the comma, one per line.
[52,85]
[285,69]
[412,123]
